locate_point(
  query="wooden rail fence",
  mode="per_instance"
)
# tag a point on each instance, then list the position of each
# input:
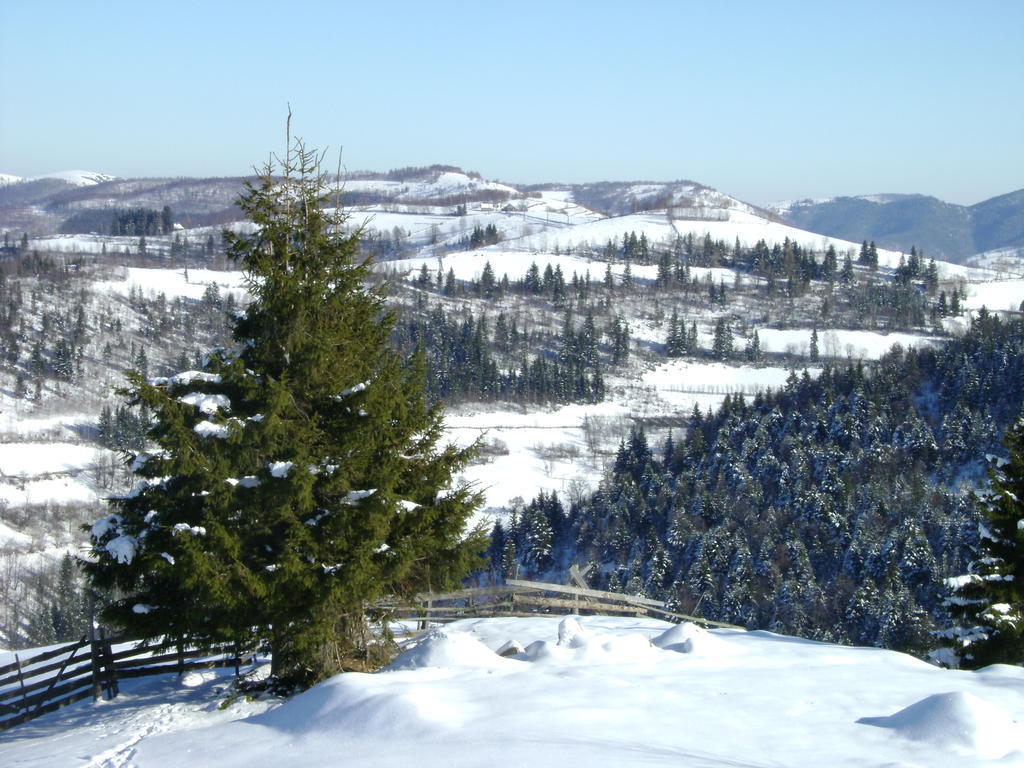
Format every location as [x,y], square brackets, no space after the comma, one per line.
[517,597]
[45,682]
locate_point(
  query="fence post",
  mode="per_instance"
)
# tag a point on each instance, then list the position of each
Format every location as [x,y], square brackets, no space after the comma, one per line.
[94,664]
[423,624]
[21,681]
[111,674]
[94,655]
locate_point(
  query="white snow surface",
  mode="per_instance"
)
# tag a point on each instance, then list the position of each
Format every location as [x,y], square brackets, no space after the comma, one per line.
[744,225]
[838,343]
[40,472]
[30,458]
[439,185]
[209,429]
[205,403]
[998,295]
[280,469]
[592,691]
[1003,261]
[171,282]
[77,178]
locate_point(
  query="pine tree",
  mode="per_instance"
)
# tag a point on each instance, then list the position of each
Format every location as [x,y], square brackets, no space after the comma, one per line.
[989,601]
[846,276]
[296,478]
[69,614]
[722,346]
[753,349]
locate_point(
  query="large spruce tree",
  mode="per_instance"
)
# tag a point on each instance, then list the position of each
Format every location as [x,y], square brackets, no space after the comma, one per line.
[297,477]
[989,601]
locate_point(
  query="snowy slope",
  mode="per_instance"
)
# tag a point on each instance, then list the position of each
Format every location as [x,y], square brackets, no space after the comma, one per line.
[76,178]
[439,185]
[592,691]
[997,295]
[661,227]
[1004,261]
[173,282]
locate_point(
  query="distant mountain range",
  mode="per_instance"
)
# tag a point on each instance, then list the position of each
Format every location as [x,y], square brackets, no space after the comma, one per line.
[943,230]
[43,205]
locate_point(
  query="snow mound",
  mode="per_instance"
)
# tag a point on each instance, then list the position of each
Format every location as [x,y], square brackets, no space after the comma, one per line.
[570,632]
[577,645]
[957,720]
[690,638]
[996,671]
[444,649]
[357,703]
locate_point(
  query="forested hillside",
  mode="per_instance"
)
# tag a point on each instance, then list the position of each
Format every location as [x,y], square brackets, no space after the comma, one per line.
[949,232]
[832,509]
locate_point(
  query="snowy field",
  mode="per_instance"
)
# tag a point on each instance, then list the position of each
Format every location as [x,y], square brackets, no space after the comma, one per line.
[172,282]
[837,343]
[678,380]
[591,691]
[44,461]
[745,226]
[526,452]
[567,448]
[998,295]
[469,265]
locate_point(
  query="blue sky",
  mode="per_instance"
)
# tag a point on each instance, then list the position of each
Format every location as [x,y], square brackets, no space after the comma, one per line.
[761,100]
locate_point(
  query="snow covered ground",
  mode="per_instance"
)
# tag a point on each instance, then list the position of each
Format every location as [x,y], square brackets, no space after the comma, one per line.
[77,178]
[998,295]
[567,448]
[1006,262]
[591,691]
[743,225]
[526,452]
[43,460]
[837,343]
[173,282]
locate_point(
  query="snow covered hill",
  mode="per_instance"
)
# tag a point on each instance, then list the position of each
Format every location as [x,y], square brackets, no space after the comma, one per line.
[75,178]
[79,178]
[592,691]
[425,184]
[616,198]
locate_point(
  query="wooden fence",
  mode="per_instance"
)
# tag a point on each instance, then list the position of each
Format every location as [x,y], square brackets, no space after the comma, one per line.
[47,681]
[517,597]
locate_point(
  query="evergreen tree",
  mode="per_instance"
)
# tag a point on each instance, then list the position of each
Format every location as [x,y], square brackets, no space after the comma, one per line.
[753,349]
[487,280]
[722,345]
[69,613]
[296,478]
[846,276]
[989,601]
